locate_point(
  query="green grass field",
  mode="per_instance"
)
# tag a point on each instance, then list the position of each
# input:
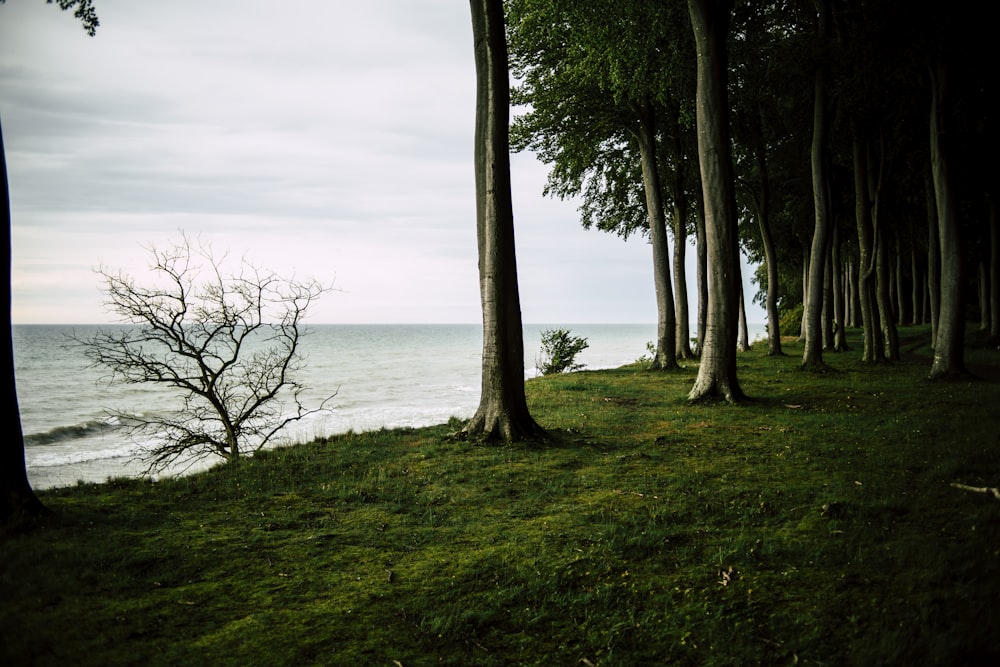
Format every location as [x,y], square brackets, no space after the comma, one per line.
[817,524]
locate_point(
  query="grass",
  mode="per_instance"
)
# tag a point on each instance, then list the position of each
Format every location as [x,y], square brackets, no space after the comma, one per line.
[815,525]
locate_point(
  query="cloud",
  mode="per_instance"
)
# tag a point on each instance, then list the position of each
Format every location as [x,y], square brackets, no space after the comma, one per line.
[325,138]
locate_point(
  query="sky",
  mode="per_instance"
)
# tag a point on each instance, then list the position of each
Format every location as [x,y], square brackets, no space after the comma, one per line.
[320,139]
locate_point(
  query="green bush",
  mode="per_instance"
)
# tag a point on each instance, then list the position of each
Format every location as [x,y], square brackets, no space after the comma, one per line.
[559,350]
[791,321]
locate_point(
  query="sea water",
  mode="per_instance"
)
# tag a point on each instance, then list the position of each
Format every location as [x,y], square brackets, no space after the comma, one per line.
[379,376]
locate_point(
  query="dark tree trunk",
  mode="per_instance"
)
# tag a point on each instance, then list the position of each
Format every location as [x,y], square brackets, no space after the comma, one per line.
[950,338]
[873,351]
[770,262]
[916,293]
[994,273]
[503,411]
[17,499]
[717,371]
[839,307]
[984,296]
[679,226]
[701,270]
[743,340]
[812,354]
[933,257]
[883,295]
[683,316]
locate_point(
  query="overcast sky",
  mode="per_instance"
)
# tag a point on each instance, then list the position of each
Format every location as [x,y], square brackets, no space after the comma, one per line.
[324,139]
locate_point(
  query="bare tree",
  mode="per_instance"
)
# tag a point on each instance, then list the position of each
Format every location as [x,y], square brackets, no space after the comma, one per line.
[228,343]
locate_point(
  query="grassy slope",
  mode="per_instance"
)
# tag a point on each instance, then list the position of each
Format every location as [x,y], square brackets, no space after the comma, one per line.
[814,525]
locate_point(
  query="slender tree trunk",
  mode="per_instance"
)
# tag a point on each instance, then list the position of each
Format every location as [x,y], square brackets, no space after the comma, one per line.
[812,355]
[849,293]
[883,295]
[984,297]
[916,293]
[683,316]
[717,371]
[743,339]
[950,339]
[994,273]
[902,305]
[873,350]
[805,290]
[827,314]
[770,262]
[503,410]
[933,256]
[666,339]
[839,307]
[17,499]
[702,273]
[679,226]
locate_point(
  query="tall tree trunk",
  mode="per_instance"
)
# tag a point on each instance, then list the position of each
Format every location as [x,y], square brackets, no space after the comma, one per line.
[994,273]
[805,290]
[770,260]
[503,411]
[933,256]
[17,499]
[984,296]
[683,316]
[666,338]
[839,307]
[743,339]
[812,354]
[827,313]
[902,306]
[849,312]
[701,270]
[872,351]
[916,293]
[883,293]
[679,226]
[950,339]
[717,371]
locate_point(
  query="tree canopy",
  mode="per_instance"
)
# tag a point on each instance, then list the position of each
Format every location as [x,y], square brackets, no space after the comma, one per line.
[898,167]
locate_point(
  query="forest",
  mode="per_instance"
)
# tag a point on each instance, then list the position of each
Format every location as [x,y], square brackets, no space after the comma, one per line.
[861,136]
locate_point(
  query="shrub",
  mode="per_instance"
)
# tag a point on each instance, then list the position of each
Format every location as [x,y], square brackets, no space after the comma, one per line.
[791,321]
[559,350]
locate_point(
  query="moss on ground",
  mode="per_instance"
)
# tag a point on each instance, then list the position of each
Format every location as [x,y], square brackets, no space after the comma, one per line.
[816,524]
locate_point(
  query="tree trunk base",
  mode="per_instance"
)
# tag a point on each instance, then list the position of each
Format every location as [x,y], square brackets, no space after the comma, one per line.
[716,391]
[663,365]
[498,426]
[18,511]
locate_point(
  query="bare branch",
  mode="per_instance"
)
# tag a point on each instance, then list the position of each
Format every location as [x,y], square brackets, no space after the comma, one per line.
[229,344]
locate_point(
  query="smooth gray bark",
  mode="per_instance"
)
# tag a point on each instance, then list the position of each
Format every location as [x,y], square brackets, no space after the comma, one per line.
[949,342]
[666,339]
[503,411]
[717,371]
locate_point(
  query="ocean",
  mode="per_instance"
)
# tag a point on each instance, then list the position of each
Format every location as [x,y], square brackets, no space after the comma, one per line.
[382,375]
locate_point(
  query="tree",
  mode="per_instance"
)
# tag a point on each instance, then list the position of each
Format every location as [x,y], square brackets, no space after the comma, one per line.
[229,343]
[717,372]
[16,495]
[503,409]
[949,338]
[812,354]
[597,79]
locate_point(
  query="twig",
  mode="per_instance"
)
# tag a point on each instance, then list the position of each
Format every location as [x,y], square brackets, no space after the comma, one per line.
[979,489]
